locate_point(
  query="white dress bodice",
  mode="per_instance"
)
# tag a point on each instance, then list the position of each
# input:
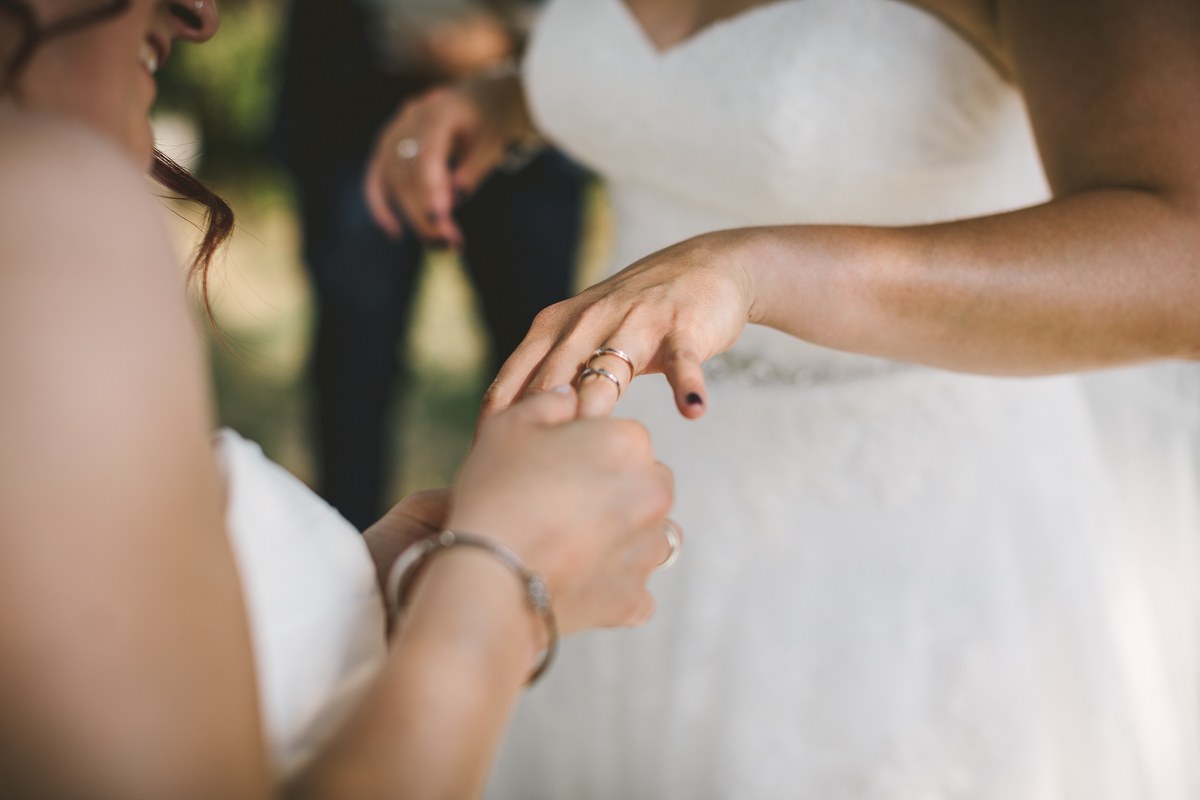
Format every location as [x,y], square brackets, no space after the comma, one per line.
[898,582]
[821,111]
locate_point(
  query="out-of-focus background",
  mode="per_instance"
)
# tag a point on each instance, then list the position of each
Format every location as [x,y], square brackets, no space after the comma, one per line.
[214,115]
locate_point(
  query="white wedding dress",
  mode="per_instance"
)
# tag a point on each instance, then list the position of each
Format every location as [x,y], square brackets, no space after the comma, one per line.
[314,608]
[898,582]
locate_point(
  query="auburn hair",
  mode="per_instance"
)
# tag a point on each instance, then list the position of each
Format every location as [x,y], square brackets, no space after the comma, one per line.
[218,216]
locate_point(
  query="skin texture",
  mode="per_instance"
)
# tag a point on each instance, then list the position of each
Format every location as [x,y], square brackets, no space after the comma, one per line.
[127,669]
[1102,275]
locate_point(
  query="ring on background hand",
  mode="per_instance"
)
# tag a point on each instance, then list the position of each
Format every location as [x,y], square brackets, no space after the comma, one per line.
[671,530]
[614,352]
[604,373]
[408,149]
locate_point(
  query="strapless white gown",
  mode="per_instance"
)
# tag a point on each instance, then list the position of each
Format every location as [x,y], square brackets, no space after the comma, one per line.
[898,582]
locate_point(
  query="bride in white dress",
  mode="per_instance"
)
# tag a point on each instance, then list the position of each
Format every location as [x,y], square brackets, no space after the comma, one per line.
[178,622]
[901,582]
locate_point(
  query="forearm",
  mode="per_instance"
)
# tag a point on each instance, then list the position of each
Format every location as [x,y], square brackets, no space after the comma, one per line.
[1097,279]
[430,726]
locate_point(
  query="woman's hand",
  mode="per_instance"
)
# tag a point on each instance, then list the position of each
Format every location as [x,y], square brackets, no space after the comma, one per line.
[581,501]
[453,138]
[669,313]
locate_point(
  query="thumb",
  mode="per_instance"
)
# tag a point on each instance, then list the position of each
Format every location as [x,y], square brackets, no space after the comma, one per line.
[684,372]
[549,408]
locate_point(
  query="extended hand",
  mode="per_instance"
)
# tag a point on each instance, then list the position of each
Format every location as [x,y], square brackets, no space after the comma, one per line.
[668,313]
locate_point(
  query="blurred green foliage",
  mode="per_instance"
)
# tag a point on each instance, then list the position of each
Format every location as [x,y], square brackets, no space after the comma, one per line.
[228,86]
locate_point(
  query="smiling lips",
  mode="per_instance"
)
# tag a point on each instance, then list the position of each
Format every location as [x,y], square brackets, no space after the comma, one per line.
[153,54]
[149,57]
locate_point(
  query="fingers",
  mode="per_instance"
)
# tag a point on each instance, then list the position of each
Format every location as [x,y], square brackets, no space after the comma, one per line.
[515,375]
[682,367]
[598,394]
[549,408]
[644,611]
[424,188]
[599,391]
[378,204]
[410,169]
[428,508]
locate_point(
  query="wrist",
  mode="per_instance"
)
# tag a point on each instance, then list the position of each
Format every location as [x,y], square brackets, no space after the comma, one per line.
[740,252]
[501,98]
[470,608]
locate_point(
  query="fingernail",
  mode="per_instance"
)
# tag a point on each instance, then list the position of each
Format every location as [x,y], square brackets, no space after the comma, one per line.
[694,400]
[460,195]
[440,244]
[564,389]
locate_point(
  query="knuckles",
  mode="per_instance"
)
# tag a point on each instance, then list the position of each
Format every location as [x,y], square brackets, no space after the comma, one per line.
[547,321]
[492,401]
[626,442]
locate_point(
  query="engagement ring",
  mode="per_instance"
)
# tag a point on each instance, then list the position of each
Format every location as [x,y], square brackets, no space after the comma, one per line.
[604,373]
[408,149]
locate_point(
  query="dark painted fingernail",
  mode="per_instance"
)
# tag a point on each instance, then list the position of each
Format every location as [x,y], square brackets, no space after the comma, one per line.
[440,244]
[432,217]
[191,20]
[694,400]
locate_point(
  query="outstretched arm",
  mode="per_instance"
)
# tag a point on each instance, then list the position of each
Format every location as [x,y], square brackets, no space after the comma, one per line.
[1106,273]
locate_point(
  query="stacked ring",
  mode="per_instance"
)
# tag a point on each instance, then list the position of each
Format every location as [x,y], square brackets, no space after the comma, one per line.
[612,351]
[604,373]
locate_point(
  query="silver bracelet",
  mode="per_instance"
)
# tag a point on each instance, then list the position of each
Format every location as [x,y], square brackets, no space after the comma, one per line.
[408,566]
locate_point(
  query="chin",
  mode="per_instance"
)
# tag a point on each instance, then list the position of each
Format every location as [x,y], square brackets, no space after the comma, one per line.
[139,142]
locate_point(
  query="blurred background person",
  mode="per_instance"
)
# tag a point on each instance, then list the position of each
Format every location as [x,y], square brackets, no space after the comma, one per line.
[348,66]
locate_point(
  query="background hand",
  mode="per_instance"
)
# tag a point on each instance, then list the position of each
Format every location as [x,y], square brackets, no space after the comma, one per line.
[459,135]
[582,502]
[668,312]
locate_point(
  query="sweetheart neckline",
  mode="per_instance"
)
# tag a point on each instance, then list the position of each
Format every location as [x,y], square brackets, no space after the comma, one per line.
[710,28]
[700,33]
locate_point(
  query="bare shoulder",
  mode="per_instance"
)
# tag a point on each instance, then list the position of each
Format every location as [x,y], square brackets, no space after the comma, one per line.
[79,227]
[63,186]
[1111,89]
[121,590]
[93,302]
